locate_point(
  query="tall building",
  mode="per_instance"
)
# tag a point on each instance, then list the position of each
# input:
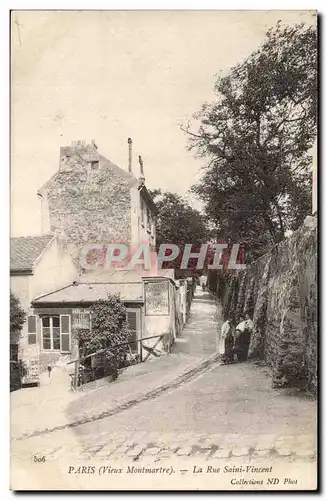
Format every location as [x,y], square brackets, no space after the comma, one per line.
[92,200]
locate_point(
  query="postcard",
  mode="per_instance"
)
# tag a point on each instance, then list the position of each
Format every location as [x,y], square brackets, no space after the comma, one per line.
[163,253]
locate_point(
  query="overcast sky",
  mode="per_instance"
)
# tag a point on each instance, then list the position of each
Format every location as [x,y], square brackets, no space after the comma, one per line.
[112,75]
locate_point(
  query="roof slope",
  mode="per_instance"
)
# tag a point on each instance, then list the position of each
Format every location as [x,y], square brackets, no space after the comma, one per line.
[115,275]
[96,286]
[91,292]
[24,251]
[128,177]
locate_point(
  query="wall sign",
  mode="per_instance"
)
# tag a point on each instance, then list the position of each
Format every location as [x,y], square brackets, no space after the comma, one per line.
[156,298]
[31,370]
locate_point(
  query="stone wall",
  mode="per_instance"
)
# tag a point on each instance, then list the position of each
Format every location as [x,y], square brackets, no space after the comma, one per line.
[280,292]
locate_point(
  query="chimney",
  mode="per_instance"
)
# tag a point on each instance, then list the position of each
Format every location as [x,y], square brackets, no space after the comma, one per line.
[129,141]
[141,178]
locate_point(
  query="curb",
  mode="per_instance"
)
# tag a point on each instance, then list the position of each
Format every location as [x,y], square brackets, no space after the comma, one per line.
[185,376]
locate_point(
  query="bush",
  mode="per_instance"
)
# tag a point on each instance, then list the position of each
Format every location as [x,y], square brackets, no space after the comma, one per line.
[17,315]
[108,328]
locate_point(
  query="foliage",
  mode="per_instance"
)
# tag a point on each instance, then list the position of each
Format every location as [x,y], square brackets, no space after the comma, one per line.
[177,221]
[109,328]
[255,137]
[17,315]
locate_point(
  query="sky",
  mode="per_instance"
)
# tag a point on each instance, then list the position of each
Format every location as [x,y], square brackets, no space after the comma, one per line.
[110,75]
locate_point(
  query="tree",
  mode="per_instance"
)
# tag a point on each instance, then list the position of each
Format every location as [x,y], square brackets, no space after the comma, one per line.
[255,138]
[177,221]
[17,314]
[109,328]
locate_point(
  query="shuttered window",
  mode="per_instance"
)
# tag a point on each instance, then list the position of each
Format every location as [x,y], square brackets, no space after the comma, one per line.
[65,332]
[51,333]
[13,352]
[131,317]
[31,329]
[56,333]
[142,212]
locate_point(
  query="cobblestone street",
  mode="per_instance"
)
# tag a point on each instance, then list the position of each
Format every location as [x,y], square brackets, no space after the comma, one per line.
[213,416]
[219,412]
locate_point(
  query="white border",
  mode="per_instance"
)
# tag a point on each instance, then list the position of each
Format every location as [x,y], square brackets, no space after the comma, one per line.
[4,198]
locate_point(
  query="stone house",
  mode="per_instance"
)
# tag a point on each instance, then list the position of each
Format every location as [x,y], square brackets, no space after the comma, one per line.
[92,200]
[37,264]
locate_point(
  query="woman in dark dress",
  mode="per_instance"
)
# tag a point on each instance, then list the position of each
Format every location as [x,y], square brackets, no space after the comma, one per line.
[229,346]
[226,346]
[243,338]
[239,339]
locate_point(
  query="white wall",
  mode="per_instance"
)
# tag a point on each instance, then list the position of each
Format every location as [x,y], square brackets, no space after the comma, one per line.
[135,216]
[140,232]
[162,324]
[45,217]
[54,269]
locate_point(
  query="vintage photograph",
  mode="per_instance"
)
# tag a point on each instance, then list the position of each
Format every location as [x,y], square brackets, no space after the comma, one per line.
[163,250]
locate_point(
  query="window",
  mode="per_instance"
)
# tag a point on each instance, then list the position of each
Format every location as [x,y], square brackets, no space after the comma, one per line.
[13,352]
[142,212]
[65,332]
[56,333]
[131,317]
[148,214]
[31,329]
[94,165]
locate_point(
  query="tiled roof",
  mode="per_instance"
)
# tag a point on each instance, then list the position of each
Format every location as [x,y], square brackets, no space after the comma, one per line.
[25,250]
[91,292]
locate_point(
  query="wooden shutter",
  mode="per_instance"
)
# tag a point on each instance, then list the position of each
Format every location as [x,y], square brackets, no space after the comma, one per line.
[31,329]
[132,326]
[65,332]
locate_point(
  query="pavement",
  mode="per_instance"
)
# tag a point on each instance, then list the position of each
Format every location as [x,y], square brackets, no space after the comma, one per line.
[226,411]
[54,405]
[187,406]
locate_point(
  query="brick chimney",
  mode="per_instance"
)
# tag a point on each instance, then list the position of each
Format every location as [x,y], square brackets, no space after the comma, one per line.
[129,141]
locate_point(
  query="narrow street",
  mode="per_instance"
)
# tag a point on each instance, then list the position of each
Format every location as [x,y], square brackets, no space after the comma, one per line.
[222,412]
[199,335]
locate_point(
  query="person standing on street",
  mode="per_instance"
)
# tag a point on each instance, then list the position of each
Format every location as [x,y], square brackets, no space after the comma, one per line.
[222,337]
[238,349]
[248,323]
[248,329]
[243,338]
[203,282]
